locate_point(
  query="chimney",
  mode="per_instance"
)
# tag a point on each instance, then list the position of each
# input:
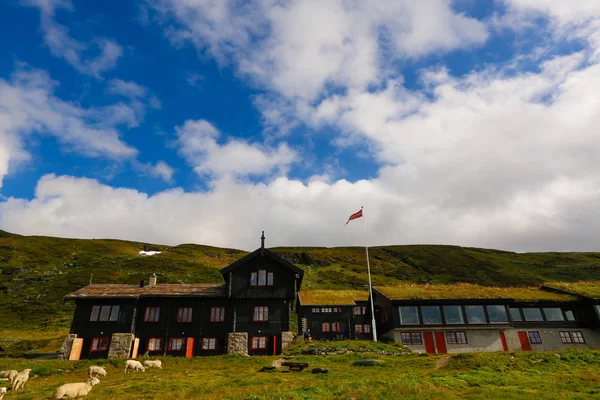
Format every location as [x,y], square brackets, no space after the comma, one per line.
[262,240]
[152,281]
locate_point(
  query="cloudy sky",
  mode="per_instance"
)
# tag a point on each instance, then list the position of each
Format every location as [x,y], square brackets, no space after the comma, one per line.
[465,122]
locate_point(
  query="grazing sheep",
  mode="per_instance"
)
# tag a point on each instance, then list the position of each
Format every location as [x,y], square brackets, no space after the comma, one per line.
[10,374]
[73,390]
[95,371]
[20,379]
[151,364]
[2,392]
[134,365]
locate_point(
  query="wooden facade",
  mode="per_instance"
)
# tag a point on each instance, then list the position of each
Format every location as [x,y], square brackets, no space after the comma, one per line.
[257,298]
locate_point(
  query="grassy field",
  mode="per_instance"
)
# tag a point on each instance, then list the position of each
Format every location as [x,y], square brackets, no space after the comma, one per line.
[36,272]
[524,375]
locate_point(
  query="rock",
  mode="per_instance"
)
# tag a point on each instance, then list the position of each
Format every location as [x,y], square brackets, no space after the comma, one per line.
[267,369]
[320,370]
[120,345]
[237,343]
[367,363]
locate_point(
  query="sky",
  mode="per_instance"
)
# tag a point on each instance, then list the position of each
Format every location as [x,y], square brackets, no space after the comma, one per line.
[458,122]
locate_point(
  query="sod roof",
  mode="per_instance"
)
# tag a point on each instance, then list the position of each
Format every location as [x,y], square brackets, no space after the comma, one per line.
[331,297]
[160,290]
[588,289]
[469,291]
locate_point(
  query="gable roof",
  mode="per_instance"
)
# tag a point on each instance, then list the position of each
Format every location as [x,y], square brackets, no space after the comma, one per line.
[462,291]
[331,297]
[262,252]
[120,291]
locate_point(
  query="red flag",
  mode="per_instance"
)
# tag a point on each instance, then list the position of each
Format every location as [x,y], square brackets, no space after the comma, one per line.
[355,216]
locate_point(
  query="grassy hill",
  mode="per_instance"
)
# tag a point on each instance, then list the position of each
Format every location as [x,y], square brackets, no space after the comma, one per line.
[36,272]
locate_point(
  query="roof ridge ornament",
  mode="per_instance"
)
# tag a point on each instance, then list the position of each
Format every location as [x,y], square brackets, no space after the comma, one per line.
[262,240]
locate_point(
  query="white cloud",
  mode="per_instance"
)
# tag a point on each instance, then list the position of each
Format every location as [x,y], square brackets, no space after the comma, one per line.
[28,105]
[126,88]
[197,142]
[56,37]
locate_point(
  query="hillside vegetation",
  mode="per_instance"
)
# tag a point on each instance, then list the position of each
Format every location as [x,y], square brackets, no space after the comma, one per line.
[36,272]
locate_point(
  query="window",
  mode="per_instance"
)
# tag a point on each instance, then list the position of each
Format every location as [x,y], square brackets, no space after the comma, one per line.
[534,337]
[262,277]
[431,315]
[152,314]
[270,279]
[497,314]
[358,328]
[411,338]
[553,314]
[99,344]
[261,314]
[358,311]
[337,309]
[335,326]
[570,315]
[154,344]
[577,337]
[409,315]
[458,337]
[453,315]
[515,314]
[316,310]
[253,279]
[597,307]
[217,314]
[325,327]
[326,310]
[105,313]
[366,328]
[176,344]
[475,315]
[184,314]
[565,337]
[532,314]
[209,343]
[259,342]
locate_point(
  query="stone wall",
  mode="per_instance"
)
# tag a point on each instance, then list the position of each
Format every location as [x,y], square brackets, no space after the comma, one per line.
[120,345]
[286,339]
[237,343]
[65,349]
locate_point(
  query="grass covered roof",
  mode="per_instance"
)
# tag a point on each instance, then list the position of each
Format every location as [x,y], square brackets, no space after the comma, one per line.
[469,291]
[589,289]
[331,297]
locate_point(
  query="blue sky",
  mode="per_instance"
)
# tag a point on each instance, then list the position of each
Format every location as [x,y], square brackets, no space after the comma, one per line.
[456,122]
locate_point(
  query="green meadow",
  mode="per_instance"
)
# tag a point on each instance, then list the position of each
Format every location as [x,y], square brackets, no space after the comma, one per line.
[570,374]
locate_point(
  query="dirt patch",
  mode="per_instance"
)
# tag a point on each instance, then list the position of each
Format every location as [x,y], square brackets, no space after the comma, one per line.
[442,362]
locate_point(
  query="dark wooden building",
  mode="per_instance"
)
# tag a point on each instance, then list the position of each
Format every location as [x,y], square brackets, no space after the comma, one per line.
[249,313]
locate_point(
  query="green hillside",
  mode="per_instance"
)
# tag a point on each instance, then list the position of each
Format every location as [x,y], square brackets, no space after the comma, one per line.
[37,271]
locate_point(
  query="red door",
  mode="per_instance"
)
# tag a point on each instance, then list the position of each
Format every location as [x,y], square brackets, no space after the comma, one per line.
[440,342]
[189,350]
[429,346]
[503,340]
[524,341]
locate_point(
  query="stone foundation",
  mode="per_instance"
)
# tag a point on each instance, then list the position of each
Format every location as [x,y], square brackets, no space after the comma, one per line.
[120,345]
[286,339]
[237,343]
[65,349]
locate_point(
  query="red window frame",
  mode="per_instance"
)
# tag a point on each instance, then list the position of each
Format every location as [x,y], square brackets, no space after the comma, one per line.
[335,326]
[152,314]
[261,314]
[184,314]
[258,343]
[101,344]
[366,328]
[413,338]
[534,337]
[177,344]
[153,340]
[357,310]
[456,337]
[261,278]
[217,314]
[209,343]
[358,328]
[325,327]
[97,315]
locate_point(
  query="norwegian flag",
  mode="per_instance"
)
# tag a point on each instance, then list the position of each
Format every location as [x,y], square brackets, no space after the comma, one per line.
[355,216]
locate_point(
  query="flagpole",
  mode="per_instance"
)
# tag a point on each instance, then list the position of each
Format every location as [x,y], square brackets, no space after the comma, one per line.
[370,285]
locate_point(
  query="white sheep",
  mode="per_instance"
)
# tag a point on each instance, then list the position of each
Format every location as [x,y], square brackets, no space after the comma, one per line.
[95,371]
[153,363]
[20,379]
[10,374]
[2,392]
[134,365]
[73,390]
